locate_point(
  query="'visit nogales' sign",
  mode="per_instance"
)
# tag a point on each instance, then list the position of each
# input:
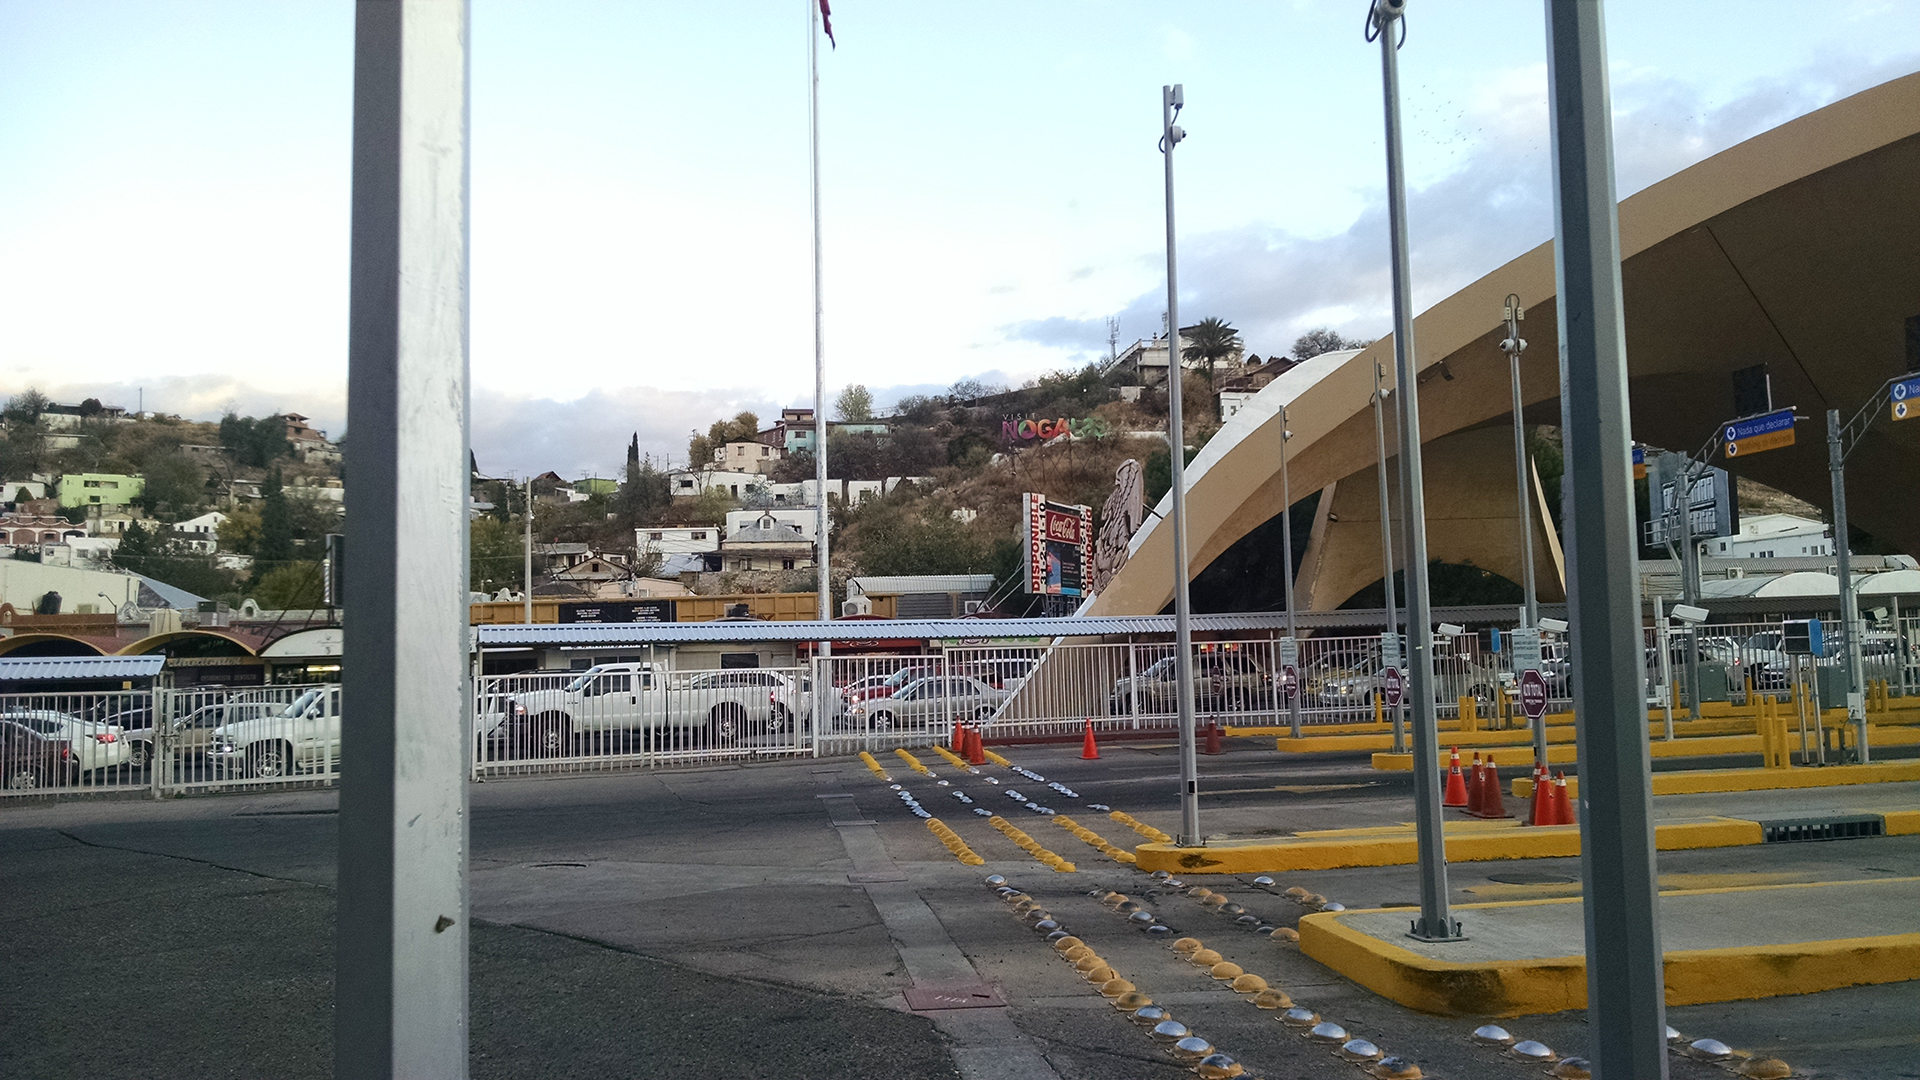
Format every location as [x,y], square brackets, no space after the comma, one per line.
[1085,427]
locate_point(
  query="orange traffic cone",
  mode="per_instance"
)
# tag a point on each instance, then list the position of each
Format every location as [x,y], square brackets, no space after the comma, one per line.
[1089,750]
[958,744]
[1542,796]
[1491,805]
[1475,777]
[1213,738]
[1562,807]
[976,747]
[1456,783]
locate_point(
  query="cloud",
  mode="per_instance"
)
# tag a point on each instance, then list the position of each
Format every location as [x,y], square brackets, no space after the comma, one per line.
[513,433]
[1493,203]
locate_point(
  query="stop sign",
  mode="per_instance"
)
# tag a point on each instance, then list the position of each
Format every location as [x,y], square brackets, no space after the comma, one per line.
[1289,681]
[1533,694]
[1390,683]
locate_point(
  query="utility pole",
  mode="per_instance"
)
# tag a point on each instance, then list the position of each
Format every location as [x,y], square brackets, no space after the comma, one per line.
[1172,99]
[526,554]
[1388,657]
[1626,1007]
[1436,919]
[1513,346]
[822,560]
[1286,555]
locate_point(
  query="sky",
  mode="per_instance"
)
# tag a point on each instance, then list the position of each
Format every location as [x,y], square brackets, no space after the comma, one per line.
[174,185]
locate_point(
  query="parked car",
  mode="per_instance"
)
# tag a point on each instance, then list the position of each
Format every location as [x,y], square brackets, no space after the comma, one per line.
[892,683]
[94,745]
[303,735]
[31,759]
[1222,681]
[1001,673]
[929,703]
[189,735]
[720,705]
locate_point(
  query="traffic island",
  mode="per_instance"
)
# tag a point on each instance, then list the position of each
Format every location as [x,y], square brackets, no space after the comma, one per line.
[1393,845]
[1721,945]
[1703,781]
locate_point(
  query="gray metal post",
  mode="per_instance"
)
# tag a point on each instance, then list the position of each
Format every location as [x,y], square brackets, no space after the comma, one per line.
[1666,664]
[1689,582]
[1172,99]
[400,979]
[526,556]
[1386,542]
[1626,1011]
[1849,602]
[1286,555]
[1436,921]
[823,563]
[1514,346]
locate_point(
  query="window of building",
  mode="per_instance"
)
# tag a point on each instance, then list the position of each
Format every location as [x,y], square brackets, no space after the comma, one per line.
[786,564]
[653,536]
[700,536]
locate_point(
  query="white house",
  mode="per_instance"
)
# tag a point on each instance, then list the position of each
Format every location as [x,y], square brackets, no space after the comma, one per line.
[699,540]
[202,534]
[806,520]
[747,456]
[697,482]
[1773,536]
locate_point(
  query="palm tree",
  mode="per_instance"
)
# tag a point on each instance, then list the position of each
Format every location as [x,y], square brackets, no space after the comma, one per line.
[1210,341]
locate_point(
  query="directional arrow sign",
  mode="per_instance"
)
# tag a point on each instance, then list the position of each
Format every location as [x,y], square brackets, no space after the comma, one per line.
[1752,435]
[1906,399]
[1390,684]
[1533,694]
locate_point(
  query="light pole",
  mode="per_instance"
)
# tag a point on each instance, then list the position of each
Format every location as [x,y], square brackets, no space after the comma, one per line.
[1513,346]
[1436,921]
[1389,657]
[1172,99]
[1291,654]
[526,555]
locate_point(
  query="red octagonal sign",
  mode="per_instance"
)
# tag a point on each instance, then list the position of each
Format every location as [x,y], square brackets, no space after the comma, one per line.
[1390,683]
[1533,694]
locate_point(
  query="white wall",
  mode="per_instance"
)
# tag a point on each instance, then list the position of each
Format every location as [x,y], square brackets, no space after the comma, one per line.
[807,520]
[23,583]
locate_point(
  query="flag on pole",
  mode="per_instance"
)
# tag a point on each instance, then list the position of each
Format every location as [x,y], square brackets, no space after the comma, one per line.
[826,23]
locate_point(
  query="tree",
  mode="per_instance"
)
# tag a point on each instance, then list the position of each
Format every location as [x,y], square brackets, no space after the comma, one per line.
[967,391]
[1208,343]
[173,484]
[240,532]
[1323,339]
[275,545]
[137,545]
[292,585]
[25,407]
[496,555]
[854,405]
[255,442]
[700,448]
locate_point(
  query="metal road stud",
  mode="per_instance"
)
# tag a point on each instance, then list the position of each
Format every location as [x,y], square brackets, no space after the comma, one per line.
[1285,933]
[1226,971]
[1101,975]
[1088,962]
[1140,920]
[1709,1050]
[1295,893]
[1531,1050]
[1115,987]
[1263,882]
[1148,1016]
[1066,943]
[1299,1017]
[1192,1048]
[1130,1002]
[1359,1050]
[1271,998]
[1217,1066]
[1573,1068]
[1187,946]
[1766,1069]
[1327,1032]
[1491,1035]
[1249,983]
[1169,1032]
[1159,930]
[1204,958]
[1395,1068]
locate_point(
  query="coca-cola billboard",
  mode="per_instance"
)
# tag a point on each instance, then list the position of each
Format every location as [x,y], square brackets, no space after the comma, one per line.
[1059,543]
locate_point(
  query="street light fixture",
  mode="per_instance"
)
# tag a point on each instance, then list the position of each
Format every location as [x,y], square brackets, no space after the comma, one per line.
[1513,345]
[1172,100]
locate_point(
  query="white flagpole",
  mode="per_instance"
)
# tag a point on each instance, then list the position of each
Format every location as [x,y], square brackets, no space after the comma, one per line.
[822,568]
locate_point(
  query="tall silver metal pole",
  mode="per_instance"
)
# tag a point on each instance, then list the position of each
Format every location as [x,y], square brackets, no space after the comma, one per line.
[1286,554]
[1386,541]
[1522,476]
[400,975]
[1436,921]
[1849,602]
[526,557]
[1689,582]
[823,565]
[1172,99]
[1626,1009]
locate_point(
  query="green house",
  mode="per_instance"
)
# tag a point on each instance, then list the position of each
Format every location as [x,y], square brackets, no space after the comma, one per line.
[99,489]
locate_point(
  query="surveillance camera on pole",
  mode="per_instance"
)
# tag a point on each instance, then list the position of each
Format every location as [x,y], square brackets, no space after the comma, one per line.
[1687,613]
[1554,626]
[1447,629]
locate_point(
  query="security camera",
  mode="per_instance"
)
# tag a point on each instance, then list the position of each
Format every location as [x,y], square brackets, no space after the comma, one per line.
[1513,345]
[1554,626]
[1687,613]
[1448,629]
[1177,95]
[1879,614]
[1178,133]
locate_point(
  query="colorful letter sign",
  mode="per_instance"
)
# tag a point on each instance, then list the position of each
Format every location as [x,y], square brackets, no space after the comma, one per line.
[1769,432]
[1906,399]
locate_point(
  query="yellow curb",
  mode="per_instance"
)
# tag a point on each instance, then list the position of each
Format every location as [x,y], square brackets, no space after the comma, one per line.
[1565,753]
[1532,987]
[1329,744]
[1471,844]
[1695,782]
[1902,822]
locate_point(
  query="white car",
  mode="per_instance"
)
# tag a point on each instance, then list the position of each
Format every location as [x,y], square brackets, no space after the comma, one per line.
[719,707]
[929,704]
[95,745]
[304,735]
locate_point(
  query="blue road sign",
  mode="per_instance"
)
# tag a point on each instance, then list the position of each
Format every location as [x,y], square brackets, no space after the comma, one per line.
[1759,433]
[1906,399]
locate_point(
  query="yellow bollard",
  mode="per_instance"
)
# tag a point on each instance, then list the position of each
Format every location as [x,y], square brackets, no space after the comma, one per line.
[1469,715]
[1379,710]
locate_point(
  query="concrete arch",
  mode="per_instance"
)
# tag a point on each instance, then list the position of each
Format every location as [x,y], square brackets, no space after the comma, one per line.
[191,643]
[48,644]
[1794,248]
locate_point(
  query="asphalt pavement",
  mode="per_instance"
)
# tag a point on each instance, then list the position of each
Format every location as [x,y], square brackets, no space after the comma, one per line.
[784,920]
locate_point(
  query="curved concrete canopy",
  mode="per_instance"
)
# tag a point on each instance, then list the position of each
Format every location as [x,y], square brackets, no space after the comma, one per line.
[50,643]
[193,643]
[1795,248]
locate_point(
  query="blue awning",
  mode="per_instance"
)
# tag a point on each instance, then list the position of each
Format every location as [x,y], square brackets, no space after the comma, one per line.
[72,668]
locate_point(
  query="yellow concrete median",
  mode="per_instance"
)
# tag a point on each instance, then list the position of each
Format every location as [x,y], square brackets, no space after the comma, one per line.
[1695,782]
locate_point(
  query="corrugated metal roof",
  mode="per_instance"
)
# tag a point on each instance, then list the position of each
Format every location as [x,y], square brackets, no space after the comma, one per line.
[896,629]
[920,583]
[80,667]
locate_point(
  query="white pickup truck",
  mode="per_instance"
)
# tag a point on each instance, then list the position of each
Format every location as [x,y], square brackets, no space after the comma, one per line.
[722,706]
[303,735]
